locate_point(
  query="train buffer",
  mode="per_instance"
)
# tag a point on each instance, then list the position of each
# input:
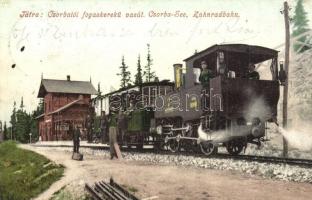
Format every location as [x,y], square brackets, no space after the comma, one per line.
[109,191]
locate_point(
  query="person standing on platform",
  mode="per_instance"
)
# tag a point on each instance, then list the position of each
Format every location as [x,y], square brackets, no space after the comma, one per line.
[92,119]
[122,125]
[104,127]
[112,135]
[76,139]
[70,133]
[88,126]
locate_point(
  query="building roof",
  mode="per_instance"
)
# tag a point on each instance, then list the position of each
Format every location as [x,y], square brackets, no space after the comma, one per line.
[134,87]
[65,86]
[39,116]
[260,53]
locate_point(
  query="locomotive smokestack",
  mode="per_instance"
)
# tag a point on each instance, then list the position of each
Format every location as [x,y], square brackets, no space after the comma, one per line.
[178,79]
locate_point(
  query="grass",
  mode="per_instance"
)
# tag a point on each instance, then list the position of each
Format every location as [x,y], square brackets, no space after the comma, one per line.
[25,174]
[130,188]
[66,194]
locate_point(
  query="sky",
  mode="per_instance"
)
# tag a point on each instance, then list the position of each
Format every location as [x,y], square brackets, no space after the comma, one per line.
[84,48]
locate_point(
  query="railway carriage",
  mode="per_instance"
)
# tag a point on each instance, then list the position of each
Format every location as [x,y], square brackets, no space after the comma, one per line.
[137,104]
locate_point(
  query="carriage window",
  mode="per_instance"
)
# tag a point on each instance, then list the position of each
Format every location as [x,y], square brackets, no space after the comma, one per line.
[221,64]
[264,70]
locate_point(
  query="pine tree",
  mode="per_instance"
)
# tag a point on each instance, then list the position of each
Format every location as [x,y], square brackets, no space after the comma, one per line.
[156,79]
[124,74]
[33,123]
[99,89]
[13,121]
[1,130]
[138,76]
[40,107]
[5,131]
[21,124]
[300,26]
[22,104]
[148,73]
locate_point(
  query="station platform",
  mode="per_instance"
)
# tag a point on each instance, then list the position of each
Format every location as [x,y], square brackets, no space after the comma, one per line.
[67,143]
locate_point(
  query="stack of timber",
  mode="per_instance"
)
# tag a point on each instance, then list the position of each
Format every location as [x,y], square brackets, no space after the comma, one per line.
[109,191]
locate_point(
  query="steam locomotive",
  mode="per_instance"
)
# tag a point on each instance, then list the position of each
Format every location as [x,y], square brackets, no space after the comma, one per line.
[230,111]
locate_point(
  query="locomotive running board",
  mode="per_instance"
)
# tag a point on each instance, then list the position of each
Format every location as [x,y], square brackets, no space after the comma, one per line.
[178,138]
[190,138]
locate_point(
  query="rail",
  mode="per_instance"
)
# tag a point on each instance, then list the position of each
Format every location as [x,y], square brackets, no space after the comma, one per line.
[249,158]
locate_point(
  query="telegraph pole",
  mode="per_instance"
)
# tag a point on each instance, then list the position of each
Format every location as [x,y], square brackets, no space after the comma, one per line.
[285,93]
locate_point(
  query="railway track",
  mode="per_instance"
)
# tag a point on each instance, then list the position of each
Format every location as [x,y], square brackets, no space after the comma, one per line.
[248,158]
[268,159]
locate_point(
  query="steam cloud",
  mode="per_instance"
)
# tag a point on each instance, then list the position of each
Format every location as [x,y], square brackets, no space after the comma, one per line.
[221,135]
[257,108]
[300,139]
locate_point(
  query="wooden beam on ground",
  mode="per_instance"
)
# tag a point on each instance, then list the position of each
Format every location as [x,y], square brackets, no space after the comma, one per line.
[94,193]
[117,150]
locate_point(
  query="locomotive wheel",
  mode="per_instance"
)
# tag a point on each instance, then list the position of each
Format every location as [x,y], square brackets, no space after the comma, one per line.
[173,146]
[96,141]
[160,146]
[139,146]
[235,147]
[208,148]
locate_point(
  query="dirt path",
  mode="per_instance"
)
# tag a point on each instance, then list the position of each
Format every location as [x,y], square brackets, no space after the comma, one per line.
[171,182]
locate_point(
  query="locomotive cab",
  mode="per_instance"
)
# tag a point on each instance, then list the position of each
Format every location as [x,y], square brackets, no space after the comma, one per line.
[239,100]
[232,61]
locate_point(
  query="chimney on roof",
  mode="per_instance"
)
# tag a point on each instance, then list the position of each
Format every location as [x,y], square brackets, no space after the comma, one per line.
[68,77]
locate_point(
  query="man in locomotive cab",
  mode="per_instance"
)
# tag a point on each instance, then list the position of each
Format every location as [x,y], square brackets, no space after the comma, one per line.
[252,73]
[205,75]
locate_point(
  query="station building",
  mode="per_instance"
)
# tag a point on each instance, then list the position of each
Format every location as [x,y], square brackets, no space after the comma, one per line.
[66,103]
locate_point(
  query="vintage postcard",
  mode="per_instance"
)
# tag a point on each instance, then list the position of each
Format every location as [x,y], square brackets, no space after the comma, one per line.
[170,100]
